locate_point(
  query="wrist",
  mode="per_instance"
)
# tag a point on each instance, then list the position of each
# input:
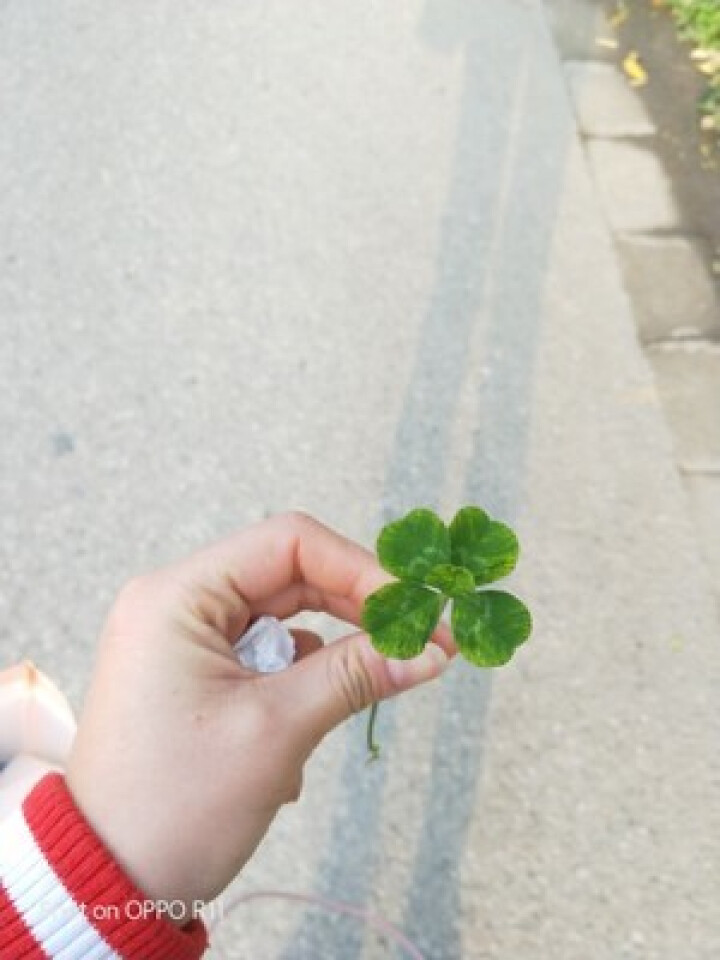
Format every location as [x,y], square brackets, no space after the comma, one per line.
[61,881]
[134,844]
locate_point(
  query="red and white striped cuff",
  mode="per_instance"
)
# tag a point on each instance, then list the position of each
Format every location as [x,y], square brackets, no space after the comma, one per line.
[63,896]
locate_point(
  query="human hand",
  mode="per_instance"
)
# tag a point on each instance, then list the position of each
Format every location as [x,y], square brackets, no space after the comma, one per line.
[183,756]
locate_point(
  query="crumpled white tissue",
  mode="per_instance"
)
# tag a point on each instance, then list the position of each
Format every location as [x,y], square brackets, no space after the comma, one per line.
[267,646]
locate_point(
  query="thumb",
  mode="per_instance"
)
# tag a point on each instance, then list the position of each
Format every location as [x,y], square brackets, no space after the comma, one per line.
[343,678]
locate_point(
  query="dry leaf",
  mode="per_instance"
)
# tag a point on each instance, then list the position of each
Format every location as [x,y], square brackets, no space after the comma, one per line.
[618,18]
[708,67]
[635,70]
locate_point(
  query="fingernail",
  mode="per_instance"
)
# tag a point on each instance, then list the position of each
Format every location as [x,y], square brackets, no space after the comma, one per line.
[409,673]
[438,656]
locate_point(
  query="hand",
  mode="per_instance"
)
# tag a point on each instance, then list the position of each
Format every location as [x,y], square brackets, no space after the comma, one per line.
[183,757]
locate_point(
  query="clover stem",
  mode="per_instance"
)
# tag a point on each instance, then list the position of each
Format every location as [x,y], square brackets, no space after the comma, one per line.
[373,747]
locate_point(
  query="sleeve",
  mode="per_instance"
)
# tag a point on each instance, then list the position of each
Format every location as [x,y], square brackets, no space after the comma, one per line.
[62,895]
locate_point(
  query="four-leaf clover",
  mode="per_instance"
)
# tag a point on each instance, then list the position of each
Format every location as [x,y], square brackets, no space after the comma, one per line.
[435,564]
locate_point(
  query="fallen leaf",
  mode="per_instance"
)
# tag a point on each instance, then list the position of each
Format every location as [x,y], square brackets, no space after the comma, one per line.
[635,70]
[708,67]
[702,53]
[617,19]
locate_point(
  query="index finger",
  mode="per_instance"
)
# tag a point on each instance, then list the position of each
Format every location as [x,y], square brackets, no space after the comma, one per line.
[291,556]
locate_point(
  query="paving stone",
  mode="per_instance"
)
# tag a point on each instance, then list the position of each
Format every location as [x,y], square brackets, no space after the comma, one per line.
[635,191]
[581,30]
[605,104]
[672,292]
[688,381]
[704,492]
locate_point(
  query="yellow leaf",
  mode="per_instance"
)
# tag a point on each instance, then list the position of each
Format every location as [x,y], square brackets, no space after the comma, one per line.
[709,67]
[635,70]
[618,18]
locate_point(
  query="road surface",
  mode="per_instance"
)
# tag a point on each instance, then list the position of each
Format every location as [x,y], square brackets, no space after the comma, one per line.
[348,258]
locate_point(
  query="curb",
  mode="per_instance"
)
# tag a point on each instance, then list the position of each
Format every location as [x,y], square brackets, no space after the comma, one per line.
[666,262]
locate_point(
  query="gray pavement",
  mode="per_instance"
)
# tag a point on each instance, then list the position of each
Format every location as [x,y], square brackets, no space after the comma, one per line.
[350,259]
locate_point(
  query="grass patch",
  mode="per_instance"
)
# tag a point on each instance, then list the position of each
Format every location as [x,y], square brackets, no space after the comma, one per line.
[699,21]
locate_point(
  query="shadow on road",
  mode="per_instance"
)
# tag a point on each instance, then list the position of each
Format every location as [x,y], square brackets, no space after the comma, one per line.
[494,246]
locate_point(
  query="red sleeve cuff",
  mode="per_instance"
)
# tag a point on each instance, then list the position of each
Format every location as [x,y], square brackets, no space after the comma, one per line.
[70,867]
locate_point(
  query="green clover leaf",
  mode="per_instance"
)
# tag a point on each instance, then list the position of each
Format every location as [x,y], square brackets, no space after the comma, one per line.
[400,618]
[435,564]
[489,626]
[451,580]
[409,548]
[488,548]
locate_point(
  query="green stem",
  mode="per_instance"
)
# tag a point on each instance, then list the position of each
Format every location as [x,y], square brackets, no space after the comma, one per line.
[373,747]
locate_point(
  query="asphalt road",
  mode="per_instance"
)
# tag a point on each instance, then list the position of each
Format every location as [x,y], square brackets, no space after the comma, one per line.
[347,258]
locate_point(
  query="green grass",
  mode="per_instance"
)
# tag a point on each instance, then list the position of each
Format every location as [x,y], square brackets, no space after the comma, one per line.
[699,21]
